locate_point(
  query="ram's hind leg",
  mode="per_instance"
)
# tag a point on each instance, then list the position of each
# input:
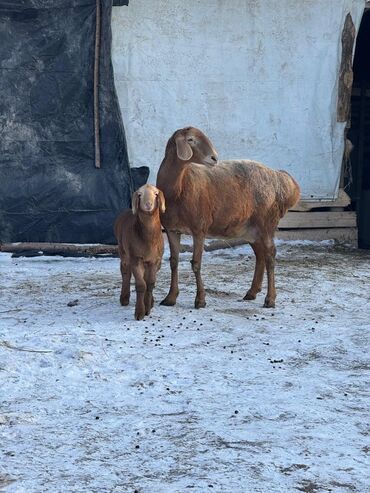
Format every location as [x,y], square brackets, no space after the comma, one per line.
[270,268]
[259,270]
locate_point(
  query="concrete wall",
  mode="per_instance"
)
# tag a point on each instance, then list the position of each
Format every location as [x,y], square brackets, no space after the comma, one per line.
[258,76]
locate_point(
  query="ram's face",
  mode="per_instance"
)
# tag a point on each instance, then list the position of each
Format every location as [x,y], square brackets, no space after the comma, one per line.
[193,145]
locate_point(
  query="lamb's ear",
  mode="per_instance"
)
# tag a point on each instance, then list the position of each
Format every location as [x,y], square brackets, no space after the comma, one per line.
[135,202]
[161,202]
[183,149]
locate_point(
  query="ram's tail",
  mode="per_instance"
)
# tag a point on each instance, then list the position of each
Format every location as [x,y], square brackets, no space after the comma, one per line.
[291,191]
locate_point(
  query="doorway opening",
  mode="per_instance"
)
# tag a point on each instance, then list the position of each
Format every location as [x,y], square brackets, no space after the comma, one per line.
[358,180]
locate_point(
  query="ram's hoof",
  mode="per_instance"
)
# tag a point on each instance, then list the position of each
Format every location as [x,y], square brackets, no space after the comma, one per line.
[249,296]
[168,302]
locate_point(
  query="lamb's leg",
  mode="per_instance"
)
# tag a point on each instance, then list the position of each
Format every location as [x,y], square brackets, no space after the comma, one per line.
[126,277]
[270,268]
[174,242]
[140,285]
[259,271]
[196,263]
[150,276]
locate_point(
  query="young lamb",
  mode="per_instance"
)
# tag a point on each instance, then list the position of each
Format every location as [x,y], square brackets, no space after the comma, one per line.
[233,199]
[140,246]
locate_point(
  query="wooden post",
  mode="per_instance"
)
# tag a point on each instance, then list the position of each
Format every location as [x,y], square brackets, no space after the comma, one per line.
[96,85]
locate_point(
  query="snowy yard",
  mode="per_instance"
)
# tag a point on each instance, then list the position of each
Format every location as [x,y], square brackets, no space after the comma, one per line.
[231,398]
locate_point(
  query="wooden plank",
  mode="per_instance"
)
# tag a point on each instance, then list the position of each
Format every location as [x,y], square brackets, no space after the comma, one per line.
[325,219]
[347,235]
[343,200]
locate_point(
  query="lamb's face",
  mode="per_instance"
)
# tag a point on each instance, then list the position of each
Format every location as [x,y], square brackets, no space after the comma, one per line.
[148,198]
[192,144]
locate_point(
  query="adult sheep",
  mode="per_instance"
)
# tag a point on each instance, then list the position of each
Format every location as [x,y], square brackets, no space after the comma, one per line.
[233,199]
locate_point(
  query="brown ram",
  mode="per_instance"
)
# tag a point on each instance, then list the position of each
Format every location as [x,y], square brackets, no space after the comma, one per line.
[233,199]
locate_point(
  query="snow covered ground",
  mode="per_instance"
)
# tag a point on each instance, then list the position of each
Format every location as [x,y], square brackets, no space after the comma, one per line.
[231,398]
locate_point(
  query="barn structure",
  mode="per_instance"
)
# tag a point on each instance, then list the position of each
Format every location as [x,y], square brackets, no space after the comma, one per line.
[266,80]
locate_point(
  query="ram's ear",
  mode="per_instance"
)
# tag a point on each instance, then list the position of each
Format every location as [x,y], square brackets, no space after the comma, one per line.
[183,149]
[161,202]
[135,202]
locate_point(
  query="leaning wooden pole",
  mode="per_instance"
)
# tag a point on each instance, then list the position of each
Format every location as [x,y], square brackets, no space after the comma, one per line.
[65,249]
[96,85]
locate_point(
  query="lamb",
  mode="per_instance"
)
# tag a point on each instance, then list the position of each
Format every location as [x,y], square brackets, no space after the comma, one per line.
[233,199]
[140,246]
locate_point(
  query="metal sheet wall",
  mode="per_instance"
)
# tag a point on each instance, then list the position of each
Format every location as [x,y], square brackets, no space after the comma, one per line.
[260,77]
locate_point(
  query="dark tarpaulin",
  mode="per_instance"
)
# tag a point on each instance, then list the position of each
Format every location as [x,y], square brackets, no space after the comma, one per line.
[50,189]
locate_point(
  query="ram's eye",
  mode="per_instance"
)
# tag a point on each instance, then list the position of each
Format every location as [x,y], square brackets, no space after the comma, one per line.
[190,139]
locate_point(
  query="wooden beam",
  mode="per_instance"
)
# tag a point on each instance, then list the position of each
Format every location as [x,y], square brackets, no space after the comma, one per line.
[347,235]
[68,249]
[326,219]
[343,200]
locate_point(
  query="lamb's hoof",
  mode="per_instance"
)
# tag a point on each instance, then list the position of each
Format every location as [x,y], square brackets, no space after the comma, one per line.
[124,301]
[199,304]
[168,302]
[249,296]
[269,303]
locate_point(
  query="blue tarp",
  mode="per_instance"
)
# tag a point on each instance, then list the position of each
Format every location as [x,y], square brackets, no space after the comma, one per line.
[50,189]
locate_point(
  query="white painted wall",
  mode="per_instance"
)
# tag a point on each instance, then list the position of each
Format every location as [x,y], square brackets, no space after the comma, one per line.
[258,76]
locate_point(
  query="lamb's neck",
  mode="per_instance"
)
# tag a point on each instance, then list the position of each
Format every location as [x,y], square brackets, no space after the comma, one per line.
[148,225]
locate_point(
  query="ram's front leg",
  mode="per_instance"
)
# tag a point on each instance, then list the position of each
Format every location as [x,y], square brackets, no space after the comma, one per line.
[174,242]
[196,264]
[140,286]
